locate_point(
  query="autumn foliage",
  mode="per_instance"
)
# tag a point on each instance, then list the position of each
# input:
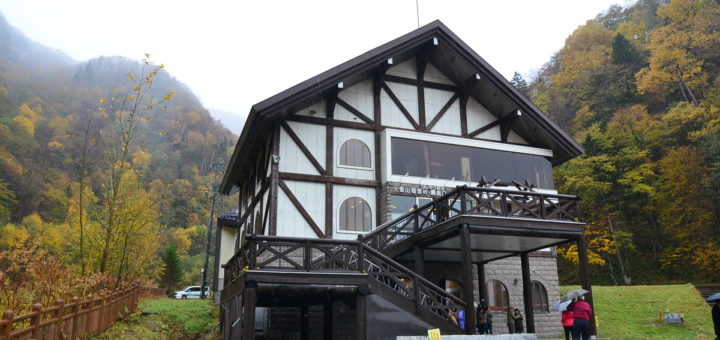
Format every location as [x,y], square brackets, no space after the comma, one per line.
[639,87]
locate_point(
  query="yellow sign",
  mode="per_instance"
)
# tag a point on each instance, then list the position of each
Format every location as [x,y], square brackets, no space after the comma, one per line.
[434,334]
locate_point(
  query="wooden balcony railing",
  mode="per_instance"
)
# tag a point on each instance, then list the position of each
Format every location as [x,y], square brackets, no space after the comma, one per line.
[325,256]
[466,200]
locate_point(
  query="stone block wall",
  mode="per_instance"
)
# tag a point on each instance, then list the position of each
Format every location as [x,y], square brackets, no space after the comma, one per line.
[508,271]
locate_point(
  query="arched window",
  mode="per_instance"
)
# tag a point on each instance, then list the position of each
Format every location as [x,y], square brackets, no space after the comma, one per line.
[355,153]
[498,297]
[355,215]
[540,297]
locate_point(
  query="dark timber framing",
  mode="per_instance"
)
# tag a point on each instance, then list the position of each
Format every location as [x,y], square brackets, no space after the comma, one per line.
[255,172]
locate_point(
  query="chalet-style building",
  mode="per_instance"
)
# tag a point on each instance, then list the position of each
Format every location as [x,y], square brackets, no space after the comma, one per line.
[389,192]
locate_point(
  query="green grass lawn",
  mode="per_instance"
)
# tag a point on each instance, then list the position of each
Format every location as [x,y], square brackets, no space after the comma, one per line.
[172,319]
[635,312]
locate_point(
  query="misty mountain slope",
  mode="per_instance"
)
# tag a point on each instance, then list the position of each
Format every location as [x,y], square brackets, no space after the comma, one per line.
[47,101]
[16,48]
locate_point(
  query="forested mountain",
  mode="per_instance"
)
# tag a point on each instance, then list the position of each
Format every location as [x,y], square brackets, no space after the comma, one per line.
[639,87]
[103,163]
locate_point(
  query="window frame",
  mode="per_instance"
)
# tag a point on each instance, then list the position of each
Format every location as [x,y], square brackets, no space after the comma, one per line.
[540,308]
[354,167]
[338,215]
[494,307]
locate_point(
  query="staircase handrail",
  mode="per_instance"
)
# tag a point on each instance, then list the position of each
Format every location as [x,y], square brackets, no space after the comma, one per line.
[464,195]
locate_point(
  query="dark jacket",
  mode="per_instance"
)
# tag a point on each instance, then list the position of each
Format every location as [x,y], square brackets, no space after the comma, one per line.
[716,319]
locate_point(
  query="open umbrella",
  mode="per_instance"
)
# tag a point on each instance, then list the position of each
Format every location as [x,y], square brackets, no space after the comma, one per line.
[713,297]
[573,294]
[560,306]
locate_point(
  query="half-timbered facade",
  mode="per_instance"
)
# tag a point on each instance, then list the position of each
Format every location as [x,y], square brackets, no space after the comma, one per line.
[415,160]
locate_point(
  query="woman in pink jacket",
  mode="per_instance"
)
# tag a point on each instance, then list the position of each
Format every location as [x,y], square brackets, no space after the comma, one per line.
[567,322]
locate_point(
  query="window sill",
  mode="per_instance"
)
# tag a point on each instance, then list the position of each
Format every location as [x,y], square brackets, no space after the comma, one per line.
[355,167]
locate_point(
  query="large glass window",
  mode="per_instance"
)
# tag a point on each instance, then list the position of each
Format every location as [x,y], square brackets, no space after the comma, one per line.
[498,297]
[355,153]
[401,205]
[463,163]
[540,298]
[355,215]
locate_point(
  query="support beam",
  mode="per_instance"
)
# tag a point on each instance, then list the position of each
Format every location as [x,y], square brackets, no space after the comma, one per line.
[361,316]
[467,279]
[328,320]
[463,114]
[421,64]
[298,205]
[585,279]
[527,293]
[329,165]
[320,169]
[419,260]
[304,322]
[400,106]
[274,180]
[482,290]
[248,316]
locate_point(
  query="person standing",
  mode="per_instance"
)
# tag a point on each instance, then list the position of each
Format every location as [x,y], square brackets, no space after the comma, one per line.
[518,321]
[567,323]
[511,320]
[581,313]
[482,316]
[489,322]
[716,319]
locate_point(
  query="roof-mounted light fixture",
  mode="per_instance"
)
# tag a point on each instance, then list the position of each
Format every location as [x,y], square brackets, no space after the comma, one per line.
[340,85]
[390,61]
[477,76]
[435,41]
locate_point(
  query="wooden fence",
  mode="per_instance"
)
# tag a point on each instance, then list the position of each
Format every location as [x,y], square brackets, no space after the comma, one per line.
[78,319]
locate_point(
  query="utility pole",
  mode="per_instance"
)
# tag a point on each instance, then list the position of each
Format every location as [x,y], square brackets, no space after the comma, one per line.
[215,167]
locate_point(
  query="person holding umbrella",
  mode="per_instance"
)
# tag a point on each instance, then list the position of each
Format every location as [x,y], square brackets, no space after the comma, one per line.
[567,322]
[715,313]
[567,316]
[582,312]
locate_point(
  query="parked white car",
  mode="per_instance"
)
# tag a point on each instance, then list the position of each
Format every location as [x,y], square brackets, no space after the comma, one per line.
[191,292]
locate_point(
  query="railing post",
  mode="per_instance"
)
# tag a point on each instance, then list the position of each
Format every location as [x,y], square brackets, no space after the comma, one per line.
[8,317]
[87,316]
[416,219]
[416,293]
[543,213]
[75,318]
[97,313]
[58,323]
[308,257]
[361,255]
[503,204]
[463,199]
[35,320]
[252,256]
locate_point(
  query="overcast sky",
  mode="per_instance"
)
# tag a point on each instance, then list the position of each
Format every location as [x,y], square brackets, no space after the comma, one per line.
[236,53]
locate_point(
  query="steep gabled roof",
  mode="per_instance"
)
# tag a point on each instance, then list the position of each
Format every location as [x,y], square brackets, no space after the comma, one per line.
[452,56]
